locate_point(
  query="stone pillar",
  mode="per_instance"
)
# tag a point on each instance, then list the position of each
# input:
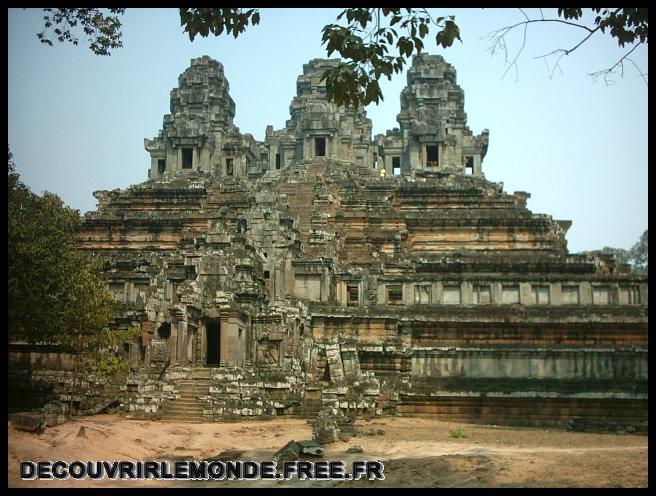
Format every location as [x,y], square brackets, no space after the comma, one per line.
[189,346]
[171,159]
[199,342]
[325,284]
[585,294]
[241,340]
[194,158]
[223,341]
[467,293]
[381,294]
[408,293]
[438,287]
[181,349]
[478,171]
[413,160]
[556,293]
[335,366]
[204,159]
[173,339]
[497,293]
[230,343]
[341,292]
[525,296]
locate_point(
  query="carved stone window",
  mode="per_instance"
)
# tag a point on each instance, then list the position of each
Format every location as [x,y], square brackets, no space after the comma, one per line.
[540,295]
[396,165]
[469,165]
[395,294]
[187,158]
[161,165]
[482,294]
[630,295]
[423,294]
[230,166]
[600,295]
[510,294]
[451,294]
[570,295]
[352,295]
[432,156]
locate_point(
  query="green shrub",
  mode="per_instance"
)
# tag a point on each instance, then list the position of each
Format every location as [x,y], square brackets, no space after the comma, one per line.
[458,433]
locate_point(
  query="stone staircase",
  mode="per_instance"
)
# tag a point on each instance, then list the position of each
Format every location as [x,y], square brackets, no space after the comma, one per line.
[188,408]
[312,403]
[311,408]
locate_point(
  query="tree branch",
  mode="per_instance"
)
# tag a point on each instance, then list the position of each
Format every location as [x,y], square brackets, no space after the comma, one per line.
[498,43]
[620,63]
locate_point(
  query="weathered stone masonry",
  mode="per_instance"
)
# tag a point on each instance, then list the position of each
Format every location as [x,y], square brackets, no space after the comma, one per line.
[326,268]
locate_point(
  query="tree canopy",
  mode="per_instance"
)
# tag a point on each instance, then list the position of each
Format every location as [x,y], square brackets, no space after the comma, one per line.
[56,292]
[372,42]
[639,254]
[636,256]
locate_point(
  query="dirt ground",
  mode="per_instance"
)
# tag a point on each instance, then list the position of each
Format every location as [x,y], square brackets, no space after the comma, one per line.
[415,452]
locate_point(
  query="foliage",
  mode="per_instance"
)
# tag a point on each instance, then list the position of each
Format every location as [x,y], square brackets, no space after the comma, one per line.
[636,256]
[625,24]
[215,21]
[56,292]
[621,255]
[373,42]
[639,254]
[97,351]
[366,51]
[458,433]
[103,30]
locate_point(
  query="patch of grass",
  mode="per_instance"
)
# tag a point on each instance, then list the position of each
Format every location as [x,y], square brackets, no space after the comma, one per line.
[458,433]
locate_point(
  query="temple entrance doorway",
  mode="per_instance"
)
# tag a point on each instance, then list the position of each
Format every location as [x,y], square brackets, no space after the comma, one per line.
[319,147]
[213,350]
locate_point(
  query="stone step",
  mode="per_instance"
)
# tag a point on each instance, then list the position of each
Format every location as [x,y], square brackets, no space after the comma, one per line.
[183,411]
[183,418]
[185,406]
[186,401]
[189,420]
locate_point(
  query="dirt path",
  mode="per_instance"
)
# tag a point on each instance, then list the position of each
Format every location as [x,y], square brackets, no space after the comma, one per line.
[416,452]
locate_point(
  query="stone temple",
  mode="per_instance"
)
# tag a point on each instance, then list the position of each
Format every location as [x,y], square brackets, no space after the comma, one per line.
[328,269]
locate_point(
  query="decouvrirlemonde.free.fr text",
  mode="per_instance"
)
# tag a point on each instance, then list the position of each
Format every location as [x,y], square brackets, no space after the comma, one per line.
[202,470]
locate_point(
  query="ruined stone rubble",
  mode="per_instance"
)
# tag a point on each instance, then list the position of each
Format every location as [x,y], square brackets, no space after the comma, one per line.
[326,268]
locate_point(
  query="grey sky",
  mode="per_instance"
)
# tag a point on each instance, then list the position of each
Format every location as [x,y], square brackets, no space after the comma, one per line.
[77,121]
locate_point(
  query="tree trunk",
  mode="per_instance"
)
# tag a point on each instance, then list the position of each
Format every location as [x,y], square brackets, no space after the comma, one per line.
[74,388]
